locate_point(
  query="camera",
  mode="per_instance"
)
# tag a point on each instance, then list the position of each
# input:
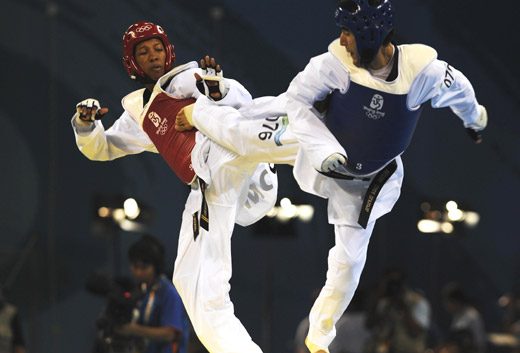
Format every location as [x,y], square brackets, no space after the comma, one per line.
[122,295]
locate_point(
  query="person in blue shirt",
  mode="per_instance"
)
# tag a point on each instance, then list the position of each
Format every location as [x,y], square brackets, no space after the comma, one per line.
[162,324]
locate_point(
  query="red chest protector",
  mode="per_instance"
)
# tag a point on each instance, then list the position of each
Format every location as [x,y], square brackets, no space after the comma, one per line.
[175,147]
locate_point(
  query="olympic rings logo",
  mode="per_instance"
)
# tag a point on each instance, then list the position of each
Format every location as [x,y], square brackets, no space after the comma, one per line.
[143,28]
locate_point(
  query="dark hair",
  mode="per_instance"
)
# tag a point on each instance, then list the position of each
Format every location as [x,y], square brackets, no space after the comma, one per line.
[394,279]
[149,250]
[454,292]
[395,272]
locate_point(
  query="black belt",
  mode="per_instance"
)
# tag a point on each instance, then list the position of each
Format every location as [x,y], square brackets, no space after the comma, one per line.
[204,213]
[336,175]
[373,190]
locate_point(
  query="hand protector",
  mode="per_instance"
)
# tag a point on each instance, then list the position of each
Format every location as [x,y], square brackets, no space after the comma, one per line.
[480,124]
[88,110]
[333,162]
[212,83]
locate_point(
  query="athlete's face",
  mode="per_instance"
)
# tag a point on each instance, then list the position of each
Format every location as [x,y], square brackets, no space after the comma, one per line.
[143,272]
[348,40]
[151,58]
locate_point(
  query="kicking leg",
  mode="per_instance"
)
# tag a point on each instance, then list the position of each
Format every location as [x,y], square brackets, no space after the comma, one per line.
[247,132]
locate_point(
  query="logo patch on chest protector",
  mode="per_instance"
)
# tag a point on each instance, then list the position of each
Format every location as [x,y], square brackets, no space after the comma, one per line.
[376,104]
[159,123]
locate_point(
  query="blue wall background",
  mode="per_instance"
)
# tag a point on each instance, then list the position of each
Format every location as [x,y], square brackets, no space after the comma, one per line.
[55,54]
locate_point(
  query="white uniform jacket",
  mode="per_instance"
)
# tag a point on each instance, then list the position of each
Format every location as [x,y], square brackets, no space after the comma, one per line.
[437,81]
[126,136]
[328,72]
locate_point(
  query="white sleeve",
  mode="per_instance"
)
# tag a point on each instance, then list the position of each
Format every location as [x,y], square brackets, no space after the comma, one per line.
[445,86]
[184,86]
[322,75]
[124,137]
[237,95]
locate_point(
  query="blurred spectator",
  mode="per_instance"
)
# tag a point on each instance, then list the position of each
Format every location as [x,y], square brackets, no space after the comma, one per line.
[11,336]
[458,341]
[162,325]
[467,326]
[398,317]
[512,314]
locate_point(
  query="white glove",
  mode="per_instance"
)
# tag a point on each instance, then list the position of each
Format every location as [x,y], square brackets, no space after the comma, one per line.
[89,110]
[333,162]
[212,74]
[481,122]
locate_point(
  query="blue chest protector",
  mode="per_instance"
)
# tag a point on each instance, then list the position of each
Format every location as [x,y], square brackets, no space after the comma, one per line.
[372,120]
[374,127]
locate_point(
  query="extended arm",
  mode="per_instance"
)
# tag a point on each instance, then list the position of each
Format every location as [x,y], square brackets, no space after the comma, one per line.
[123,138]
[446,86]
[184,85]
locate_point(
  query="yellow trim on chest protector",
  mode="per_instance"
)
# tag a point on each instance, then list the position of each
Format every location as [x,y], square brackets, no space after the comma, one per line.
[413,58]
[133,103]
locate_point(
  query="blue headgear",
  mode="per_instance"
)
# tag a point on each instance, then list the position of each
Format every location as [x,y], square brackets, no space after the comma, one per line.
[369,24]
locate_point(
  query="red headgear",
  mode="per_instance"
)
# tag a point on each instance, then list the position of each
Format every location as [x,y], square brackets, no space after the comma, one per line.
[139,32]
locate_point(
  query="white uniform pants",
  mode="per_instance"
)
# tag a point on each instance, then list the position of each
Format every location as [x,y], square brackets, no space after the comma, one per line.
[345,264]
[203,265]
[261,136]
